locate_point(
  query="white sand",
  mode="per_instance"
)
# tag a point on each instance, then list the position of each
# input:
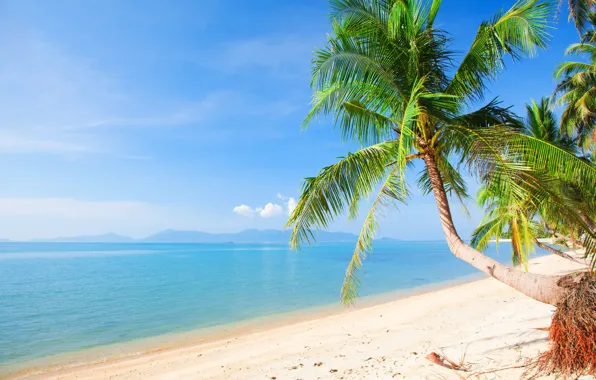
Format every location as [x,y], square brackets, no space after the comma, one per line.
[492,324]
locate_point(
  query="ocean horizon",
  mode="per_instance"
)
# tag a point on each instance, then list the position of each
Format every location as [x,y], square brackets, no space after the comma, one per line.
[59,298]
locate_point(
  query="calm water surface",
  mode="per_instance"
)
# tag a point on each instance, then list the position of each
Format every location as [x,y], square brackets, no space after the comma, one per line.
[62,297]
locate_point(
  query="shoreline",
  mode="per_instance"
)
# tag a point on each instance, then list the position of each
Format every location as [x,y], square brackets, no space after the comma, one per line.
[119,351]
[447,307]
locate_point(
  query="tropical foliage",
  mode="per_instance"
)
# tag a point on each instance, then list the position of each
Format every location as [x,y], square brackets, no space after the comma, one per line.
[581,12]
[391,81]
[576,91]
[518,216]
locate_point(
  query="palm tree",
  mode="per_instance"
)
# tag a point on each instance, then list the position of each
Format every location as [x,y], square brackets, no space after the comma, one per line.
[590,31]
[385,78]
[514,214]
[577,93]
[581,12]
[542,123]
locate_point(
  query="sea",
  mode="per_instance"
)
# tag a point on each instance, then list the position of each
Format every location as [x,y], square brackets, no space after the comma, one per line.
[60,298]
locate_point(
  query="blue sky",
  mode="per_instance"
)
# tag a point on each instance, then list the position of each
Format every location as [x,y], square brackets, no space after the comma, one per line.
[135,116]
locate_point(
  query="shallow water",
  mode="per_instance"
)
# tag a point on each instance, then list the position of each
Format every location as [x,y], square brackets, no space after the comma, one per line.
[64,297]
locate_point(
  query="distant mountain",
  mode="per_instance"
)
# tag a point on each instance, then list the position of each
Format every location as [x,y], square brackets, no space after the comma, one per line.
[246,236]
[387,239]
[105,238]
[178,236]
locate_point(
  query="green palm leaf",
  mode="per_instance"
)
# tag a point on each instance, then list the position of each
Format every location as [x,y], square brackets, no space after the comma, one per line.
[390,193]
[518,32]
[337,186]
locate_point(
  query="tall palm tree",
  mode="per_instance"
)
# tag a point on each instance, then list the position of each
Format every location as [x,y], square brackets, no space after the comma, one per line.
[577,93]
[384,76]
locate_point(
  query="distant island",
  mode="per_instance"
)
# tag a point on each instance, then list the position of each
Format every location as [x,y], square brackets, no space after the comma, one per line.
[179,236]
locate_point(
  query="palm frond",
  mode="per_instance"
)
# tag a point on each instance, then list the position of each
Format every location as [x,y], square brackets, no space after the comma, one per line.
[576,91]
[551,159]
[519,32]
[344,183]
[579,13]
[390,193]
[434,10]
[485,232]
[352,107]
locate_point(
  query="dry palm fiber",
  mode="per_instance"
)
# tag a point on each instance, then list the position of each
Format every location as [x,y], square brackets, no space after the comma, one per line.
[572,333]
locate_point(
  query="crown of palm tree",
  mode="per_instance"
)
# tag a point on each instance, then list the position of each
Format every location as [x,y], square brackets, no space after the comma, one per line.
[542,123]
[581,12]
[577,93]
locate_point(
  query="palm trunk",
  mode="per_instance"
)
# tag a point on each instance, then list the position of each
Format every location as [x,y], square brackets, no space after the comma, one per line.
[552,250]
[589,222]
[542,288]
[573,241]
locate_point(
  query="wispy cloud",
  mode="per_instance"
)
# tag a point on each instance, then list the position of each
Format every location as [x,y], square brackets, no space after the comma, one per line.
[46,91]
[272,52]
[32,217]
[26,142]
[55,102]
[201,110]
[286,56]
[215,106]
[74,208]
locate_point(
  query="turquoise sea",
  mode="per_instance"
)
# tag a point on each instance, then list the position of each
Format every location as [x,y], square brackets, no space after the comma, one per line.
[65,297]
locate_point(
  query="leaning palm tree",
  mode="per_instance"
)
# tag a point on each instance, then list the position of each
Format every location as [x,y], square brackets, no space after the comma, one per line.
[385,77]
[577,93]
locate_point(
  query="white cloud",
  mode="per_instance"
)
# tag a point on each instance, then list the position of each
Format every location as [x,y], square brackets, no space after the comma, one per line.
[290,202]
[291,205]
[270,210]
[244,210]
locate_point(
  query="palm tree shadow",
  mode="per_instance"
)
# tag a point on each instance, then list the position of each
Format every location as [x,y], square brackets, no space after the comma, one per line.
[518,345]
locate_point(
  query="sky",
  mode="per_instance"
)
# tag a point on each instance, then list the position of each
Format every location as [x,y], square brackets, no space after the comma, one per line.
[137,116]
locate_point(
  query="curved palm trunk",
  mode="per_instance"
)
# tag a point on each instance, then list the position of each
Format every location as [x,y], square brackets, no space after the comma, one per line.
[539,287]
[552,250]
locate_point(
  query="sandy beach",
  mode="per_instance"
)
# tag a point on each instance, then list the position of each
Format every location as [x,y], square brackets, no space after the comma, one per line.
[486,324]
